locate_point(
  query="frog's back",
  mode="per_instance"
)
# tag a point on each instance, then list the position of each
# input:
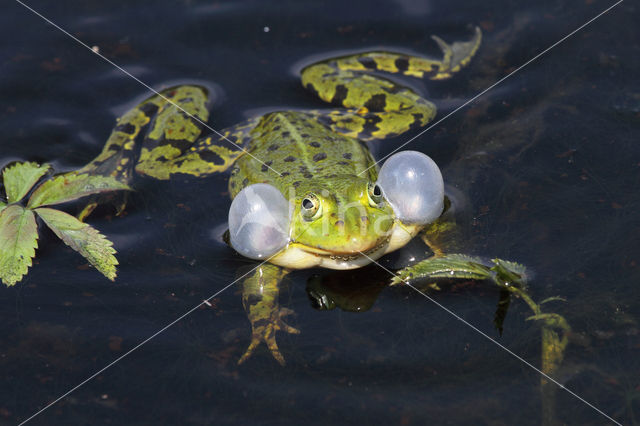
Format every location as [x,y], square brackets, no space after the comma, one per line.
[300,148]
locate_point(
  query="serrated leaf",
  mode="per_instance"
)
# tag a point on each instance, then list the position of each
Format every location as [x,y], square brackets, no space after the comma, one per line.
[71,186]
[18,243]
[509,273]
[449,266]
[83,238]
[19,178]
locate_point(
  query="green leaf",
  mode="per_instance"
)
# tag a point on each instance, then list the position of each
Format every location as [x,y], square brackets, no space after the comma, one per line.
[71,186]
[83,238]
[509,273]
[551,320]
[449,266]
[18,243]
[19,178]
[553,299]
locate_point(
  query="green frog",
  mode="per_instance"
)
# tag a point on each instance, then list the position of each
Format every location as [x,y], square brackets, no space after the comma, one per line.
[306,190]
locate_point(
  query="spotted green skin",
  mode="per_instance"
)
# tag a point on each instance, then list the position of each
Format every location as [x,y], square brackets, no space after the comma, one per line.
[312,159]
[319,152]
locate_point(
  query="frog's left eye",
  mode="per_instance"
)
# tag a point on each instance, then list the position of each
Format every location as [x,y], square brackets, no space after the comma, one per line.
[310,208]
[375,194]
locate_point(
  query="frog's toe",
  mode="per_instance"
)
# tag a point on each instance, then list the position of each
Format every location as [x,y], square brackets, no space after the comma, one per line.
[269,337]
[255,341]
[283,325]
[270,340]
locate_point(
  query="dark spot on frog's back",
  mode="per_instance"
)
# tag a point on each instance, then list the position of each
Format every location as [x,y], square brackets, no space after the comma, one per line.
[340,94]
[402,64]
[211,157]
[320,156]
[149,109]
[347,155]
[370,125]
[127,128]
[290,159]
[273,147]
[376,102]
[368,63]
[313,90]
[315,144]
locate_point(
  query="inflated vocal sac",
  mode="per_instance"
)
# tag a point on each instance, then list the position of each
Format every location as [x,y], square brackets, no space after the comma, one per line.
[259,221]
[412,184]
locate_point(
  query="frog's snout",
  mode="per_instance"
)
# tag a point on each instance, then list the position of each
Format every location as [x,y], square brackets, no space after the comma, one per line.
[412,184]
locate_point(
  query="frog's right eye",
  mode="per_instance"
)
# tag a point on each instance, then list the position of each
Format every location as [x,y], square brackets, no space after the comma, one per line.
[310,207]
[259,221]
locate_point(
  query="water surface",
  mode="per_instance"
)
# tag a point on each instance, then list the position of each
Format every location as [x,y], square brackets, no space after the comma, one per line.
[547,164]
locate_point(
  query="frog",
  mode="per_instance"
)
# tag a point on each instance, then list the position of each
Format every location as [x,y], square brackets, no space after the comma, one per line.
[306,189]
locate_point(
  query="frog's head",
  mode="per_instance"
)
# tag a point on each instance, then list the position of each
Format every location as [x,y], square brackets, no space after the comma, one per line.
[342,223]
[338,220]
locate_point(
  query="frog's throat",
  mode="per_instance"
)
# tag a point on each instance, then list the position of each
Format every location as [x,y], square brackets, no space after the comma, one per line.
[301,256]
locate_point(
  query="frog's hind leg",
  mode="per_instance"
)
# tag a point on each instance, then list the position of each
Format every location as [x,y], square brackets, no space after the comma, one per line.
[379,108]
[161,158]
[118,157]
[260,299]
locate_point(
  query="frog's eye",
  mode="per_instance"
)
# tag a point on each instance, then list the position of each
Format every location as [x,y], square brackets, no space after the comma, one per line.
[259,221]
[310,207]
[412,183]
[375,194]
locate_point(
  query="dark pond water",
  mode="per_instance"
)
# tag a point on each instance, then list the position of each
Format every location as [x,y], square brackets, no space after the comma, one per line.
[547,162]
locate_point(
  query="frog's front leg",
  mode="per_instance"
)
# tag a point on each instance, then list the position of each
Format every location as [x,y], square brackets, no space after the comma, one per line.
[442,235]
[260,300]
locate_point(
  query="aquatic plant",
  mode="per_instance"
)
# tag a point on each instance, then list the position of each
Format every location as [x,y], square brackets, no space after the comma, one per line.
[19,227]
[511,278]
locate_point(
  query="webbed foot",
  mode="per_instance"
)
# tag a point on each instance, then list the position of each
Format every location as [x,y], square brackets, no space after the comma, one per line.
[456,55]
[266,332]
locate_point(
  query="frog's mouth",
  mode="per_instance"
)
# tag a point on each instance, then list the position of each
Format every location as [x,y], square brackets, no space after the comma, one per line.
[301,256]
[347,256]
